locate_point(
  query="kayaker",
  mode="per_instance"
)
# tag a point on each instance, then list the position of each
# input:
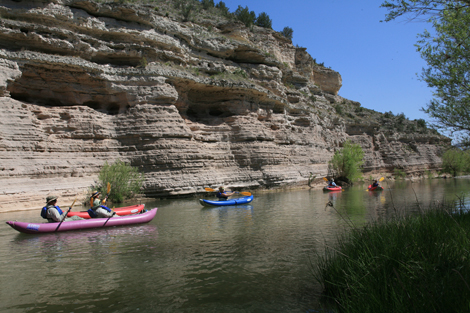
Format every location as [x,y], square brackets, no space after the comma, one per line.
[332,183]
[375,184]
[98,208]
[222,194]
[53,213]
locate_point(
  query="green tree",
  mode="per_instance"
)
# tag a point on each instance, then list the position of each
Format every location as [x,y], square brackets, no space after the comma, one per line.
[288,32]
[222,7]
[347,161]
[125,180]
[207,4]
[448,59]
[455,161]
[263,20]
[246,16]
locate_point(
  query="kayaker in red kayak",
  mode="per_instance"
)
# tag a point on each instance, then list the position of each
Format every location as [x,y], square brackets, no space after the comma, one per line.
[53,213]
[375,184]
[332,183]
[223,195]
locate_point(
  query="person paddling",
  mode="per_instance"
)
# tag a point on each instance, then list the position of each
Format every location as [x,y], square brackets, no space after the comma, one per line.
[375,184]
[223,195]
[53,213]
[98,208]
[332,183]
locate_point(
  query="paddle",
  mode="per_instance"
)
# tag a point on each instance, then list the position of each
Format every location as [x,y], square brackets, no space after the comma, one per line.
[245,193]
[107,193]
[66,215]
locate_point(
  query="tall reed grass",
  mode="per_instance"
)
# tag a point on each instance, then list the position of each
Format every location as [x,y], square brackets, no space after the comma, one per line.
[417,263]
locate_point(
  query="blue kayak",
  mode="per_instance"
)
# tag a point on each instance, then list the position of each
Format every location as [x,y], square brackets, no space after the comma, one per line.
[242,200]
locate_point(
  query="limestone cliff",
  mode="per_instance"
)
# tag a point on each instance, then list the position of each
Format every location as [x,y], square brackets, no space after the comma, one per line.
[192,104]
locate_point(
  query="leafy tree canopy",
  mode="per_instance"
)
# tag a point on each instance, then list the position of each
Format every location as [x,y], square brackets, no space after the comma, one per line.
[447,54]
[347,161]
[263,20]
[246,16]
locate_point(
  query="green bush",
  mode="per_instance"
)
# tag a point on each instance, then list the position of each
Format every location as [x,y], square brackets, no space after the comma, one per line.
[455,161]
[287,32]
[125,180]
[347,161]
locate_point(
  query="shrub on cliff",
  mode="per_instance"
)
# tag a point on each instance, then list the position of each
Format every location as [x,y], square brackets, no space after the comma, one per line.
[245,16]
[263,20]
[347,161]
[287,32]
[125,180]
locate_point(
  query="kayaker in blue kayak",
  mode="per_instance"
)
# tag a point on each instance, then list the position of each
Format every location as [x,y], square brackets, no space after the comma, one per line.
[98,208]
[53,213]
[223,195]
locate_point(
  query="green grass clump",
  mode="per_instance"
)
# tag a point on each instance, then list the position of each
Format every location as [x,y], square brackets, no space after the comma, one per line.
[413,264]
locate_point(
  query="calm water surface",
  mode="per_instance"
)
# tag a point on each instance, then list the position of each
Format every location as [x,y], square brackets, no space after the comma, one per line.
[250,258]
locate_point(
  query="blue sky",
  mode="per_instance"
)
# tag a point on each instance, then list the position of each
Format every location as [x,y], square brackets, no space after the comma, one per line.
[378,61]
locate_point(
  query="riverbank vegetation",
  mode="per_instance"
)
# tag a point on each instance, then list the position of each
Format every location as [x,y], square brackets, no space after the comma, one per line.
[346,163]
[417,263]
[126,181]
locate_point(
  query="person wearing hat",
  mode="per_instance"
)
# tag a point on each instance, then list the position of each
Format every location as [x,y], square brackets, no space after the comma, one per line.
[53,213]
[98,209]
[332,183]
[222,194]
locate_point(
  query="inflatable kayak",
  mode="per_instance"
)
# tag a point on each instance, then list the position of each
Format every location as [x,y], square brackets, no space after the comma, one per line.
[337,188]
[41,228]
[241,200]
[370,188]
[133,209]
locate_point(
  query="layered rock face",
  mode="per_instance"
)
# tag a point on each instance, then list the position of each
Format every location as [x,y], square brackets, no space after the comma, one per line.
[191,104]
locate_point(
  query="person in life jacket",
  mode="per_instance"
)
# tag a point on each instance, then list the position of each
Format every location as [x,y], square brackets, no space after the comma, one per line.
[375,184]
[332,183]
[222,194]
[53,213]
[98,209]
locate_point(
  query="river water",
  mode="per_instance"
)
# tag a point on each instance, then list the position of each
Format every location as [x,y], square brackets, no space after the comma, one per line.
[247,258]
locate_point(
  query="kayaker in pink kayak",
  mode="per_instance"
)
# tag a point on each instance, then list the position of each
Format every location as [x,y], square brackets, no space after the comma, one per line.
[223,195]
[98,208]
[53,213]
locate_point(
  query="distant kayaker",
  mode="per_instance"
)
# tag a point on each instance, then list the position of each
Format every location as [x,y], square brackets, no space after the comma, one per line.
[332,183]
[98,208]
[375,184]
[222,194]
[53,213]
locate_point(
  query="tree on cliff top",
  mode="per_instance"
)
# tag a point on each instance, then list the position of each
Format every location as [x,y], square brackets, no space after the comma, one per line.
[347,162]
[447,54]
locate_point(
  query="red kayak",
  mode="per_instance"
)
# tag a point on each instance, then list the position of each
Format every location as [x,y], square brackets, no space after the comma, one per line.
[337,188]
[133,209]
[370,188]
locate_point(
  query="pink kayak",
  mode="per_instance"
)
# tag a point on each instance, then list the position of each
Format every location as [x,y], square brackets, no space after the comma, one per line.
[133,209]
[41,228]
